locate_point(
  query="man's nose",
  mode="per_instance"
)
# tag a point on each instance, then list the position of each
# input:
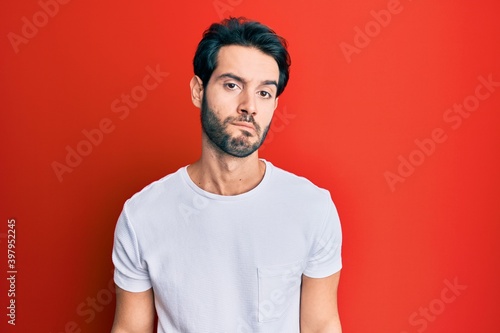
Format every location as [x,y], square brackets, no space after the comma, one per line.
[247,103]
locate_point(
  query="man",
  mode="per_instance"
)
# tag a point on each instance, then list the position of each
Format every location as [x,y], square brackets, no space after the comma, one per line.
[230,243]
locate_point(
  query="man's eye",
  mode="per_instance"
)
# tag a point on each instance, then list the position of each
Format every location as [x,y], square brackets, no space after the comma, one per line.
[231,86]
[265,94]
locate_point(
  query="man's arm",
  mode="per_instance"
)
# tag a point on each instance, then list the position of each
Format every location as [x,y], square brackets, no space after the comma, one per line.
[318,305]
[135,312]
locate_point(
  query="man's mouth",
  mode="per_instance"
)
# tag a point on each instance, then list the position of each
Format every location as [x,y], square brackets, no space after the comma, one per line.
[244,124]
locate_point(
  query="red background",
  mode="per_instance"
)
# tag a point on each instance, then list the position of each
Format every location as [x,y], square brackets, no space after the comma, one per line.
[343,124]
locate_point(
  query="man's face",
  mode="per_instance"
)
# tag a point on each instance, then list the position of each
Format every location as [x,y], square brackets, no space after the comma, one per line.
[239,100]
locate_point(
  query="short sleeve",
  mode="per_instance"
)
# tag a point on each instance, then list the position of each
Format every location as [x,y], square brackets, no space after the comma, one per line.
[129,272]
[325,258]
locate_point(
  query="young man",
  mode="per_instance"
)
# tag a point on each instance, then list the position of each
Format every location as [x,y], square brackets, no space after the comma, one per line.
[230,243]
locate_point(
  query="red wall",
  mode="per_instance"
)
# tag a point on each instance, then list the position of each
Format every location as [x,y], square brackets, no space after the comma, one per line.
[395,117]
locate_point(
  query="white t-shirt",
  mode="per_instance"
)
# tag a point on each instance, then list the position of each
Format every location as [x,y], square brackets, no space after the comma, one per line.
[226,264]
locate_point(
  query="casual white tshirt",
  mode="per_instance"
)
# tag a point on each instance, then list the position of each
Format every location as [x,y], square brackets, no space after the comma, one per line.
[226,264]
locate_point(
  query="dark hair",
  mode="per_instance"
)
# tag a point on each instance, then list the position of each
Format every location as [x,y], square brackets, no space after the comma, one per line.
[240,31]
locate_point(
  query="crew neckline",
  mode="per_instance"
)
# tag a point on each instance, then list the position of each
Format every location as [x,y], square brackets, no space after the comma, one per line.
[219,197]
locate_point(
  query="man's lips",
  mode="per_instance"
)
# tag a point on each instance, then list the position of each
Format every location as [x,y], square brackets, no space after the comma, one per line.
[244,124]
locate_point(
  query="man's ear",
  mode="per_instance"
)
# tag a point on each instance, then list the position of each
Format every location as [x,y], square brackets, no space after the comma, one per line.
[196,86]
[276,103]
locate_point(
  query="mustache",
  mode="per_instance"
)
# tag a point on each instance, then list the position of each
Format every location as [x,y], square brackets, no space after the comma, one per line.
[247,118]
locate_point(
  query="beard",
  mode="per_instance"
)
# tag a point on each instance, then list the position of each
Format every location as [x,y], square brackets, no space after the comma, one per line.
[216,131]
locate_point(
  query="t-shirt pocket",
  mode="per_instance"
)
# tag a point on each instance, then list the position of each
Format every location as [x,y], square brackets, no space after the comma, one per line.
[279,287]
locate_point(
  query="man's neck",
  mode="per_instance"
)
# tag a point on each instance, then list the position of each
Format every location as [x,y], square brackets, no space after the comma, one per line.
[223,174]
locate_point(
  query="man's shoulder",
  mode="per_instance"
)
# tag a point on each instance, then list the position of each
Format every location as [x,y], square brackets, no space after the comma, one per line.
[291,182]
[156,190]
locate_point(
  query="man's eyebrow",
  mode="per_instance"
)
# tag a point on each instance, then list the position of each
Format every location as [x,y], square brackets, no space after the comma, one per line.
[231,76]
[242,80]
[270,82]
